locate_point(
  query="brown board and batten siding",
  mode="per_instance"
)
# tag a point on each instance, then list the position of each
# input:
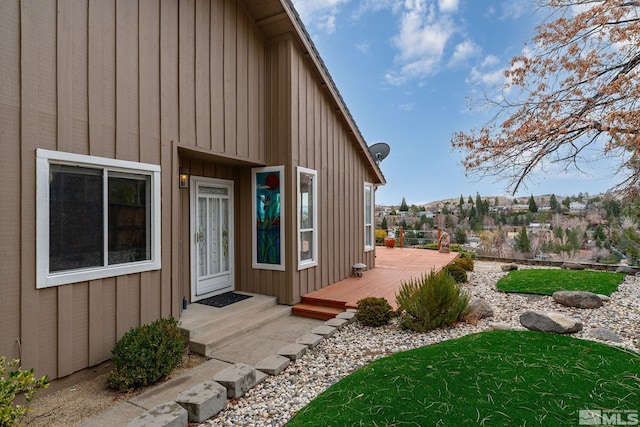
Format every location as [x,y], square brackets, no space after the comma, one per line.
[305,128]
[132,80]
[219,86]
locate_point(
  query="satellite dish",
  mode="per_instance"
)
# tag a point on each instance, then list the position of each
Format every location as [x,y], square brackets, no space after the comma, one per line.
[380,151]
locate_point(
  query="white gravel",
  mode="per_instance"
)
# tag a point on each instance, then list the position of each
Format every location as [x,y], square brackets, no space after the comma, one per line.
[277,399]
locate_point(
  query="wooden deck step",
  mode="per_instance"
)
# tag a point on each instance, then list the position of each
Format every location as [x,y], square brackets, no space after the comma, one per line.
[325,302]
[315,311]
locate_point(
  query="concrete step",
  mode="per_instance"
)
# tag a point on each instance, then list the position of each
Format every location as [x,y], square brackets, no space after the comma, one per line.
[200,318]
[223,332]
[315,311]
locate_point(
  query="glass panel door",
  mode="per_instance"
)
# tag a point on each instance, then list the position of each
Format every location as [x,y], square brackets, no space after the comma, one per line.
[212,239]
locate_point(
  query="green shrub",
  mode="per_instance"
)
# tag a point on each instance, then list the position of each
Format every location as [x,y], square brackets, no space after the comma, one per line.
[431,302]
[146,354]
[17,382]
[457,272]
[374,311]
[465,263]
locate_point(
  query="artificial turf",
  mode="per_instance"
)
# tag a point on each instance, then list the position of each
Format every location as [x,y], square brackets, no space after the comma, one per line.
[497,378]
[548,281]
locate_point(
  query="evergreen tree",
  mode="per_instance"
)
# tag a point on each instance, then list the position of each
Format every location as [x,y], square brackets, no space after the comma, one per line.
[383,224]
[598,233]
[403,206]
[553,203]
[522,241]
[460,236]
[533,208]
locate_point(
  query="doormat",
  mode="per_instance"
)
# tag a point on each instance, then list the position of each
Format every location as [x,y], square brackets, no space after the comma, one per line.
[223,300]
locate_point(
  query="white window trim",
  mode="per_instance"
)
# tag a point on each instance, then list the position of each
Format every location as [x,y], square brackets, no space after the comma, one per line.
[44,158]
[302,264]
[372,246]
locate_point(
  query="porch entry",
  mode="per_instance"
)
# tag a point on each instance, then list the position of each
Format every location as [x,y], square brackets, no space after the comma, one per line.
[211,228]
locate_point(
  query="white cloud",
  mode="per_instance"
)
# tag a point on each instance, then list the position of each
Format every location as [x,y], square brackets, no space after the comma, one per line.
[321,14]
[489,61]
[421,41]
[514,9]
[448,5]
[363,47]
[463,51]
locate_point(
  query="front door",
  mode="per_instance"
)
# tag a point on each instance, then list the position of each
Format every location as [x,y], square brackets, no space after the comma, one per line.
[211,237]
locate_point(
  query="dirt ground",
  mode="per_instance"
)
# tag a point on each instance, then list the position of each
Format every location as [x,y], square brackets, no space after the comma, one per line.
[73,400]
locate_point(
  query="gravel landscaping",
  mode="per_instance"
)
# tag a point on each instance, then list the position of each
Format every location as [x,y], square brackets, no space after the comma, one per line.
[276,400]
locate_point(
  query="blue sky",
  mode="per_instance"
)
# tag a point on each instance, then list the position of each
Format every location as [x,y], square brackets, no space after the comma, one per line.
[407,69]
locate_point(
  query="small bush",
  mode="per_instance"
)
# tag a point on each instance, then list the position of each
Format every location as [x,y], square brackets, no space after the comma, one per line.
[465,263]
[374,311]
[17,382]
[146,354]
[431,302]
[457,272]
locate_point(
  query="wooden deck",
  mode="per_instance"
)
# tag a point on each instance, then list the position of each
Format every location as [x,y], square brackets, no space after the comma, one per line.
[393,266]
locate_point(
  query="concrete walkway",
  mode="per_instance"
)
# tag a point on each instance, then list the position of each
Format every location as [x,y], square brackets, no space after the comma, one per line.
[250,347]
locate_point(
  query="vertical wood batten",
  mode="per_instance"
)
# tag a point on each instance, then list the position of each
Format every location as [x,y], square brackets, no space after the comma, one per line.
[10,226]
[186,49]
[216,75]
[202,74]
[230,77]
[30,314]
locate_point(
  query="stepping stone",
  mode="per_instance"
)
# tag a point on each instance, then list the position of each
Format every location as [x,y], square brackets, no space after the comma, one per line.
[164,415]
[237,379]
[324,330]
[203,400]
[336,323]
[310,340]
[273,365]
[349,316]
[293,351]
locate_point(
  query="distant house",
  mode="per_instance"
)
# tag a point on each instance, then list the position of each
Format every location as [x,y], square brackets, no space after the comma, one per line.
[154,152]
[577,207]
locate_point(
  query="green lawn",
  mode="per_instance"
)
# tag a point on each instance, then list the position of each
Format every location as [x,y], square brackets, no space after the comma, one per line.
[548,281]
[497,378]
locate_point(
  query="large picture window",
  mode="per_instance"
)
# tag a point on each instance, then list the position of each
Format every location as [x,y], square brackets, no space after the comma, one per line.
[307,218]
[96,217]
[369,238]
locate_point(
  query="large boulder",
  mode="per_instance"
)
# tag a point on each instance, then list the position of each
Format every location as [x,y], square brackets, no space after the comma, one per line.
[626,269]
[478,309]
[550,321]
[579,299]
[572,266]
[509,267]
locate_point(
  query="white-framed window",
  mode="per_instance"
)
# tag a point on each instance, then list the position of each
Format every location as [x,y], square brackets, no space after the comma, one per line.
[369,237]
[95,217]
[307,218]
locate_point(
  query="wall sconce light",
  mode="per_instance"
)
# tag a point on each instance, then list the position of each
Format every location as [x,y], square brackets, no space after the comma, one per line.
[183,177]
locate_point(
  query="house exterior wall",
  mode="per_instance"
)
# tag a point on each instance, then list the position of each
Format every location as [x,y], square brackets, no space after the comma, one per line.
[123,79]
[172,83]
[305,129]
